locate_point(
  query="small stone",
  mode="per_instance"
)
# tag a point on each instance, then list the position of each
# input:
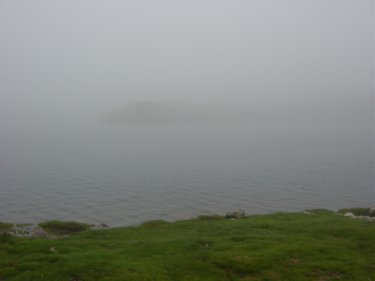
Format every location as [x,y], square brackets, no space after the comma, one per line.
[371,213]
[365,218]
[350,215]
[99,226]
[23,230]
[38,232]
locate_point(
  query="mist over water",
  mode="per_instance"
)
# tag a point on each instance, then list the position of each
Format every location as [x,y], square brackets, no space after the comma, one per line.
[120,112]
[127,173]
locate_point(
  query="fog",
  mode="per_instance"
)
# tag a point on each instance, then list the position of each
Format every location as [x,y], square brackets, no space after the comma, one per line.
[125,111]
[292,59]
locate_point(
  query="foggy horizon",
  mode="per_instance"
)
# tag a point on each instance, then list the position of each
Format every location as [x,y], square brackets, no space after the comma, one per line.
[67,60]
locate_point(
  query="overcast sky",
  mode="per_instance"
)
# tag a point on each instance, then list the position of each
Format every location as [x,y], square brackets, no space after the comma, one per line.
[76,57]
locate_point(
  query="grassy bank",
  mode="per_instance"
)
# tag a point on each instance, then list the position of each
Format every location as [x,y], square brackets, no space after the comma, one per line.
[284,246]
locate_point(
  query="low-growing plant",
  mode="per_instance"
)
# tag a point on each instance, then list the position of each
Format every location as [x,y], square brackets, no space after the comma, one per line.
[4,226]
[6,238]
[63,227]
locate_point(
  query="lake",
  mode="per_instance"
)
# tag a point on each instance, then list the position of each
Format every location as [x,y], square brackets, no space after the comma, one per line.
[124,174]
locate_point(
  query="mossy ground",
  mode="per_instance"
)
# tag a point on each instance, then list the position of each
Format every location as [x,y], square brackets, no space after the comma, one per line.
[62,228]
[284,246]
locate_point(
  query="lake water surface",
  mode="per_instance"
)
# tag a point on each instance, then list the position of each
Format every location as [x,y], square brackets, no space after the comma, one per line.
[125,174]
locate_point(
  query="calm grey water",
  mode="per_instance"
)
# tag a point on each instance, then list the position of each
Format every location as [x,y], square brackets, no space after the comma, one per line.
[124,174]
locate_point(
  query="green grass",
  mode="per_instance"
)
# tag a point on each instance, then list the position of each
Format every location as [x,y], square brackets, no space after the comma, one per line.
[321,246]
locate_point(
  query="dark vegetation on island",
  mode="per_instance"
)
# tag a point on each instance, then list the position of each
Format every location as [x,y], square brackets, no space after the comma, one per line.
[316,245]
